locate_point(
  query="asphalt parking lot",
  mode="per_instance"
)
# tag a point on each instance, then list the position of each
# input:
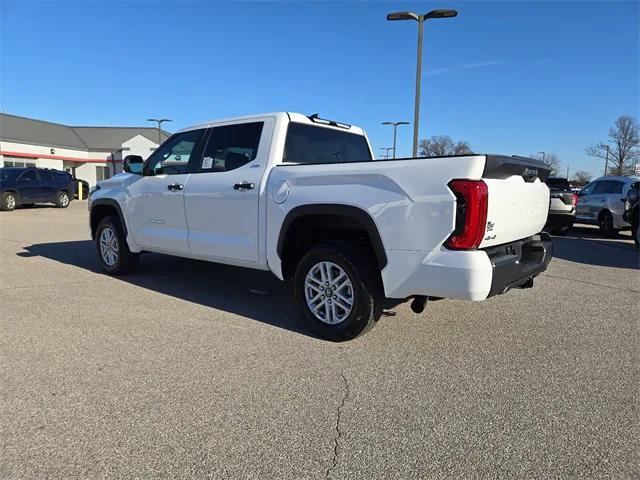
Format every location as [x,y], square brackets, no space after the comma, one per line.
[193,370]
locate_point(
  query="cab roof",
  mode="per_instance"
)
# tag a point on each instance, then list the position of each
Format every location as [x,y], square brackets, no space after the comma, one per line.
[290,116]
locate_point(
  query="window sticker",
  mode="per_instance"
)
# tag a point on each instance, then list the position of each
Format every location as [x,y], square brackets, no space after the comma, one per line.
[207,162]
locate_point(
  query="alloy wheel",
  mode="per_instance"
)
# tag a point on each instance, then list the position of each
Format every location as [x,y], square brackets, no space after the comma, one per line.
[109,249]
[329,293]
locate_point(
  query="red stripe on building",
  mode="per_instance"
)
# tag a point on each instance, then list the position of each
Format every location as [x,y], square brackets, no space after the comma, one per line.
[57,157]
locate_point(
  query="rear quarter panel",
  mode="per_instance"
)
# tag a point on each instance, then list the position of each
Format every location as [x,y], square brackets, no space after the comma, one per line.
[408,200]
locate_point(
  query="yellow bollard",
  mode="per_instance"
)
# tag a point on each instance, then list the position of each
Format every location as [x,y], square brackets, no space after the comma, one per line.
[79,190]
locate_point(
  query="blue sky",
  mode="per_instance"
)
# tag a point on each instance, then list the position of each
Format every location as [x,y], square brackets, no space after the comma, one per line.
[509,77]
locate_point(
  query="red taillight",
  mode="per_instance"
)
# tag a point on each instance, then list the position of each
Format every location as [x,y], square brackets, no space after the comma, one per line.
[471,214]
[574,200]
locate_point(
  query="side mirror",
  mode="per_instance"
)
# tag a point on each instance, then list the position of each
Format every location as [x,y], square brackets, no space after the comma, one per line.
[133,164]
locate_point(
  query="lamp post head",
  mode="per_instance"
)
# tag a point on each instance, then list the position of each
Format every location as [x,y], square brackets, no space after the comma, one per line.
[441,14]
[395,123]
[403,16]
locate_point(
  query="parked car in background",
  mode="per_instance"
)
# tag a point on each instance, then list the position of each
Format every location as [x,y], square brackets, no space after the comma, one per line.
[632,211]
[601,202]
[562,207]
[21,186]
[303,197]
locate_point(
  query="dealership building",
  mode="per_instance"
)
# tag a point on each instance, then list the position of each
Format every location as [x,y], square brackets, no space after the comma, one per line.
[88,153]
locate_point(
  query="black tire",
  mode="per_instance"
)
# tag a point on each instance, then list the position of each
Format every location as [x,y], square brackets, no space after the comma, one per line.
[366,291]
[635,231]
[62,199]
[9,202]
[125,259]
[605,224]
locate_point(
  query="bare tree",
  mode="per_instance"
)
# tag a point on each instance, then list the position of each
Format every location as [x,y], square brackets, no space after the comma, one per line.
[581,178]
[624,146]
[442,145]
[550,159]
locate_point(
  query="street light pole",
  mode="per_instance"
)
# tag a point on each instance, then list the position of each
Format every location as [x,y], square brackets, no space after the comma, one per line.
[395,128]
[386,156]
[420,19]
[416,108]
[544,155]
[160,121]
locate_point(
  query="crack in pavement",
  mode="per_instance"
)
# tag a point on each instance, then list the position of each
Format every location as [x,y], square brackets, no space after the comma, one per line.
[336,438]
[620,289]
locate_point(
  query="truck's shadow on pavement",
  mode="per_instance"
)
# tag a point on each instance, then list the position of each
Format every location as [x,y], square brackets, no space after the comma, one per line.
[253,294]
[585,245]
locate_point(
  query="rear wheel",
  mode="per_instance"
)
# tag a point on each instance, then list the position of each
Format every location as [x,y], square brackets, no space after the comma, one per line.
[62,200]
[337,292]
[605,223]
[8,201]
[113,251]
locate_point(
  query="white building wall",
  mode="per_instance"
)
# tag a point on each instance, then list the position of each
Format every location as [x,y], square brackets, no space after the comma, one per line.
[139,145]
[50,163]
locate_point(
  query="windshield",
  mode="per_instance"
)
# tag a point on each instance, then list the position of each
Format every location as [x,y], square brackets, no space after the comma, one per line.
[8,173]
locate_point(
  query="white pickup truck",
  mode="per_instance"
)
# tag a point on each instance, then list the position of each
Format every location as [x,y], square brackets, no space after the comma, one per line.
[303,197]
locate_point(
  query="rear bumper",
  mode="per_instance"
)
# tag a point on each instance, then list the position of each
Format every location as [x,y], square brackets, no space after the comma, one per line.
[466,275]
[516,264]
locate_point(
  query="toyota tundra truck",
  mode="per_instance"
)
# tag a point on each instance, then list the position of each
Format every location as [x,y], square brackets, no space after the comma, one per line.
[303,197]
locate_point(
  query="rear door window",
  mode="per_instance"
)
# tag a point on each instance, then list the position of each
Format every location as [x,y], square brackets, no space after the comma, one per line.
[609,186]
[312,144]
[28,176]
[231,146]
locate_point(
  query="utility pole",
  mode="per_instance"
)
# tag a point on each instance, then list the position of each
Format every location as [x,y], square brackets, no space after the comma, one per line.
[606,161]
[159,121]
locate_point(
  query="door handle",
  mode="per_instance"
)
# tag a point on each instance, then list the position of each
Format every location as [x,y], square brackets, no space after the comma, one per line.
[244,186]
[175,187]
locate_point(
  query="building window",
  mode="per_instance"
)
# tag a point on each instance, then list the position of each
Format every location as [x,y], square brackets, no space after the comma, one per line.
[102,173]
[19,162]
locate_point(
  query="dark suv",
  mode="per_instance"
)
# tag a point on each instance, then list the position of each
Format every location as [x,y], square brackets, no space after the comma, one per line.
[26,186]
[632,211]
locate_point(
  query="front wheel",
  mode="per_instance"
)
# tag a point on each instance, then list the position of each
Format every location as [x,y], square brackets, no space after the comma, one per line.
[113,251]
[62,200]
[337,292]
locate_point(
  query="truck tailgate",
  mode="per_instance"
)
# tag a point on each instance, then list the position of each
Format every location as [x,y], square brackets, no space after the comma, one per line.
[518,198]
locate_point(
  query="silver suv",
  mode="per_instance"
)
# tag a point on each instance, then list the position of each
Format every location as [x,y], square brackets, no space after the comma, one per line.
[601,203]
